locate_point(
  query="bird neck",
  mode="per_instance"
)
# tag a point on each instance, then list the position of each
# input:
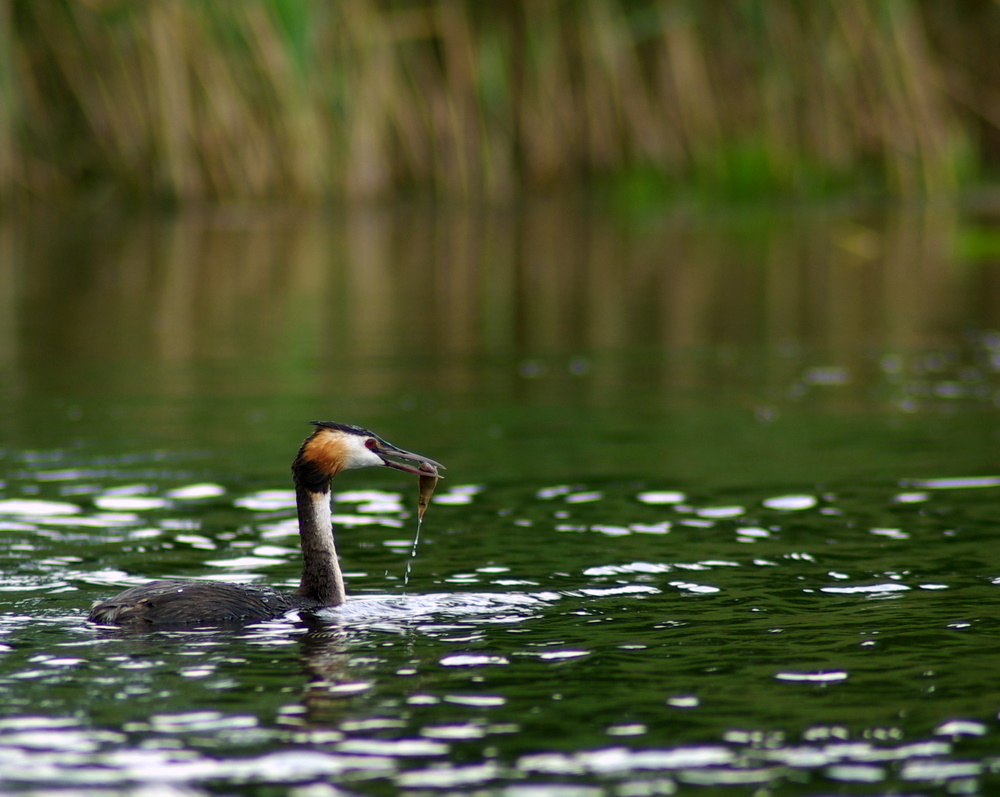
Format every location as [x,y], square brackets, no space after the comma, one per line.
[322,580]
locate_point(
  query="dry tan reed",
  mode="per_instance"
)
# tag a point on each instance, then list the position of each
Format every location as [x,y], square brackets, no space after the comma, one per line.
[185,100]
[7,96]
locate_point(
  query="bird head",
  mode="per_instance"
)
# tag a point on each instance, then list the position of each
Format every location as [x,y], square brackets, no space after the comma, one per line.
[334,447]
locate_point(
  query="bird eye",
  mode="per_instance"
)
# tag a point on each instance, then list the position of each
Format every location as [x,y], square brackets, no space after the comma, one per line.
[371,444]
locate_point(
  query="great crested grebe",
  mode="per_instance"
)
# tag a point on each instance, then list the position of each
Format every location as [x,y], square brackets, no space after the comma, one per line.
[331,448]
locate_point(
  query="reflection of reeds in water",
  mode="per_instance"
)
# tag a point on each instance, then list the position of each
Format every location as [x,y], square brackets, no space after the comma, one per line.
[275,98]
[458,287]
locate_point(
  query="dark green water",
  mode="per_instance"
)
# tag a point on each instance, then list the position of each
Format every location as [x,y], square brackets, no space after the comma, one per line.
[719,517]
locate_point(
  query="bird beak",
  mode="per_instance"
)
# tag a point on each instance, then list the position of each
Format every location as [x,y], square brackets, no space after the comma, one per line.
[386,450]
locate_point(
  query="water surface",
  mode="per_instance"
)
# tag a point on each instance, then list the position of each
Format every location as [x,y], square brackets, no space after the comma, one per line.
[719,508]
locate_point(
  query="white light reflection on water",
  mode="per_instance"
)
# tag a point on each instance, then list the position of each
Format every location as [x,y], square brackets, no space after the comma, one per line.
[74,756]
[472,660]
[267,500]
[660,497]
[866,589]
[623,759]
[240,562]
[195,492]
[957,728]
[131,503]
[435,680]
[811,677]
[960,483]
[719,512]
[791,503]
[82,766]
[36,508]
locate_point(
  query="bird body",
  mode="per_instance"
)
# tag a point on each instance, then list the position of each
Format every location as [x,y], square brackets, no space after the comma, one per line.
[187,602]
[330,449]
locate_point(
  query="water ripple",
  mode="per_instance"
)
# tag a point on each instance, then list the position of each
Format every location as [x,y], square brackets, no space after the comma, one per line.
[646,651]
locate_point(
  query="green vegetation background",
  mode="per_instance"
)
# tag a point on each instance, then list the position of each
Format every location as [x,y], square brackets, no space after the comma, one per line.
[180,101]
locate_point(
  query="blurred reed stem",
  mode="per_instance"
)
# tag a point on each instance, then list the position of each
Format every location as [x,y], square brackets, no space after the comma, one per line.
[195,101]
[8,97]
